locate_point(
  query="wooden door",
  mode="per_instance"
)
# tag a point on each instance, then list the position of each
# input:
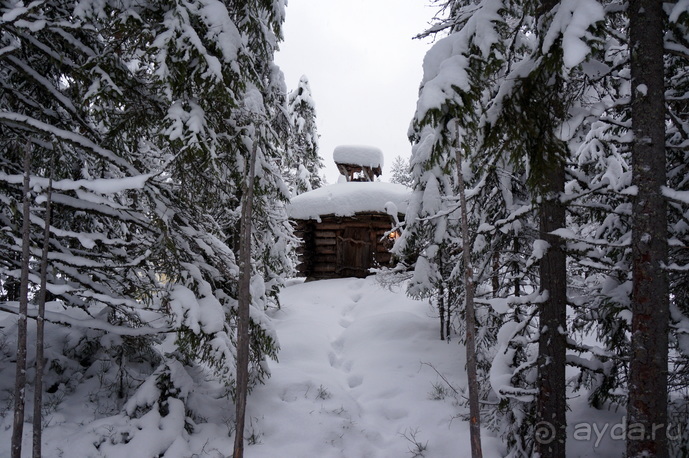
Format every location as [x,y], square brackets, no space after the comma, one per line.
[354,252]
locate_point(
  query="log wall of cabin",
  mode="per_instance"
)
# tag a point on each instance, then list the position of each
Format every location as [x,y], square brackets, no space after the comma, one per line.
[327,246]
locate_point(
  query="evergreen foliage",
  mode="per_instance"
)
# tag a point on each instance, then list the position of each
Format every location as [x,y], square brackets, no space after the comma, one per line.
[302,162]
[498,87]
[146,116]
[400,172]
[150,110]
[522,94]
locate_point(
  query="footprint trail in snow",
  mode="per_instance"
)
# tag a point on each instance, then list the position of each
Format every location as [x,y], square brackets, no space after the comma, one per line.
[350,382]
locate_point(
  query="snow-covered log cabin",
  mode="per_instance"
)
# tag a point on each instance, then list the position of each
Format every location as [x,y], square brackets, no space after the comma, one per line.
[346,227]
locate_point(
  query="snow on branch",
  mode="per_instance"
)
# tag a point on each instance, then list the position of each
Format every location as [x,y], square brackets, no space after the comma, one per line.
[43,82]
[681,197]
[569,235]
[61,318]
[70,137]
[592,365]
[19,11]
[99,185]
[503,305]
[571,22]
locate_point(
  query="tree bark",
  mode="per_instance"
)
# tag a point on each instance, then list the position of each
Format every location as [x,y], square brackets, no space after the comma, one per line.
[647,406]
[551,404]
[443,302]
[441,310]
[40,324]
[495,278]
[448,318]
[552,342]
[20,376]
[516,268]
[472,371]
[244,304]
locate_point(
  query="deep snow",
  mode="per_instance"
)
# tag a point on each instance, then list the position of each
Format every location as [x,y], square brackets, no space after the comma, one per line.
[365,156]
[356,378]
[352,380]
[348,198]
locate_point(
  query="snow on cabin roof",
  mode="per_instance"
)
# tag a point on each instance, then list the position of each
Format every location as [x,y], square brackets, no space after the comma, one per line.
[365,156]
[346,199]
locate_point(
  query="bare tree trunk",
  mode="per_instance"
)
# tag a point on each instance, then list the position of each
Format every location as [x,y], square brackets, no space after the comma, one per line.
[516,268]
[472,371]
[448,318]
[495,278]
[647,407]
[20,377]
[441,310]
[551,404]
[40,324]
[244,304]
[552,342]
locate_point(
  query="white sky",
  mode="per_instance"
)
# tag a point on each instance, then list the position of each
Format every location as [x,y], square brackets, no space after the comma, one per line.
[363,67]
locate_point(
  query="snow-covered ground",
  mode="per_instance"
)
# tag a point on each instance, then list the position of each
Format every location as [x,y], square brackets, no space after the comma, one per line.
[358,377]
[355,377]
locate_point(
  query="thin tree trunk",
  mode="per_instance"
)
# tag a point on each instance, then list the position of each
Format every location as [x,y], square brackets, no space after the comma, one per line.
[516,268]
[244,304]
[495,277]
[647,407]
[441,311]
[40,324]
[448,318]
[472,372]
[20,377]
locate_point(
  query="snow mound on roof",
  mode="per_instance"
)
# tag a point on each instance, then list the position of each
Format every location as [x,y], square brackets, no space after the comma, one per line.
[365,156]
[346,199]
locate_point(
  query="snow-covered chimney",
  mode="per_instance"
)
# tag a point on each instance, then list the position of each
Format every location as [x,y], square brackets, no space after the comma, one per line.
[358,163]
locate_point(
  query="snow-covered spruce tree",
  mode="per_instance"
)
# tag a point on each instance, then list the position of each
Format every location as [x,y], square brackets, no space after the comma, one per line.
[522,123]
[605,188]
[400,172]
[302,163]
[677,85]
[98,278]
[218,113]
[529,115]
[599,210]
[600,196]
[151,147]
[431,236]
[534,108]
[599,218]
[460,73]
[45,81]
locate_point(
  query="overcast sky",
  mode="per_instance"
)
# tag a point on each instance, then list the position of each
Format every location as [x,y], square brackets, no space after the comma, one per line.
[363,67]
